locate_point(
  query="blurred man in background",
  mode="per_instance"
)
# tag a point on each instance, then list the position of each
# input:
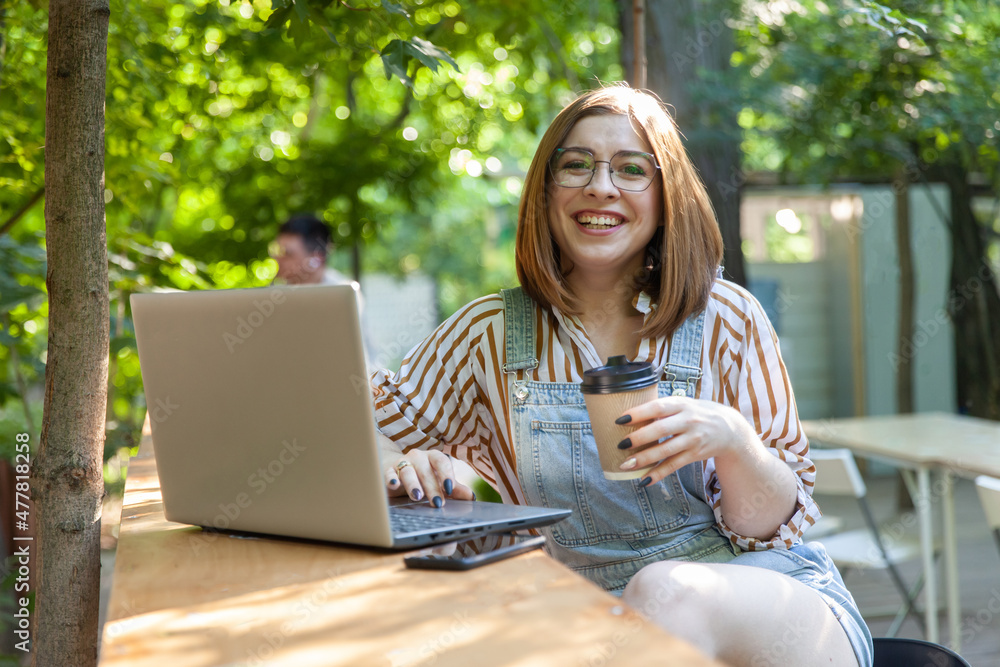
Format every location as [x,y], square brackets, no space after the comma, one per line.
[301,249]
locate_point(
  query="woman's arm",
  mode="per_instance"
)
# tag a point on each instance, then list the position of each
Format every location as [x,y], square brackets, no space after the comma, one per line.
[432,405]
[758,479]
[759,489]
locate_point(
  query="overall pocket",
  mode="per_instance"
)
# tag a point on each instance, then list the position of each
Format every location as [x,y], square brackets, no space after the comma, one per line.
[567,473]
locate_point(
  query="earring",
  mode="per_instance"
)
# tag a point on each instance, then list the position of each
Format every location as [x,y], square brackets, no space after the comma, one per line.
[652,261]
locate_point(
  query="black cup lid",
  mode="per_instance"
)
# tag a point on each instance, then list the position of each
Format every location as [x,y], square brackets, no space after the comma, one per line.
[619,374]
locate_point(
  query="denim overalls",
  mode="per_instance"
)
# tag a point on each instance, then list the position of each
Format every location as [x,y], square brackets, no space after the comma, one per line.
[618,527]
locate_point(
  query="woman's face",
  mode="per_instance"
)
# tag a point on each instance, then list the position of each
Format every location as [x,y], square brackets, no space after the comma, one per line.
[599,227]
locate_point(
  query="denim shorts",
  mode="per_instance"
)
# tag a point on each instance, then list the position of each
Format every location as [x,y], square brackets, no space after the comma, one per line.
[809,563]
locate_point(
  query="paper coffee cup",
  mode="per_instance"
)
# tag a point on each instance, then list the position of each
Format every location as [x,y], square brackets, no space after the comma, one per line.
[608,392]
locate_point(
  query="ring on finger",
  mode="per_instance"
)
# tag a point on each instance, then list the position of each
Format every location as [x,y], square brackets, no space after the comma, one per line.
[402,464]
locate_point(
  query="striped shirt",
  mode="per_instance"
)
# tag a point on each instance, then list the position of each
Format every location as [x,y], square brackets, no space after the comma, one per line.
[450,393]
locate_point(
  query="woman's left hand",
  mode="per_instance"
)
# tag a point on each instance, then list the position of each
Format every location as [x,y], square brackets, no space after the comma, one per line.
[694,429]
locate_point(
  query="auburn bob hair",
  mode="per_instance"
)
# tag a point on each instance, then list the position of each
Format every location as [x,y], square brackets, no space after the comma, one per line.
[684,253]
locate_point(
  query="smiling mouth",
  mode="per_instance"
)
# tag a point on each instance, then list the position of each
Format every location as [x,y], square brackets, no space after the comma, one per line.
[598,221]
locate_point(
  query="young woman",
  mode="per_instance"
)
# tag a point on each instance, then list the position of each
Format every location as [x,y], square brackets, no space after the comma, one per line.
[617,254]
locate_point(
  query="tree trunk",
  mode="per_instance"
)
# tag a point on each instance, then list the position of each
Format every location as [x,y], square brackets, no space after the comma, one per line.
[68,484]
[904,341]
[687,39]
[973,304]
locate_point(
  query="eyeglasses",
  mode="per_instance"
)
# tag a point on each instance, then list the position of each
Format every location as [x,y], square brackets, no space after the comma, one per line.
[630,170]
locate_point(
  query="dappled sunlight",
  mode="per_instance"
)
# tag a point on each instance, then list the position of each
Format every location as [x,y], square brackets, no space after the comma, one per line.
[354,608]
[188,596]
[138,497]
[385,614]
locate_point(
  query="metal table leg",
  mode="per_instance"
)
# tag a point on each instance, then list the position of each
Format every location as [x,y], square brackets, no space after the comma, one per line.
[923,503]
[951,560]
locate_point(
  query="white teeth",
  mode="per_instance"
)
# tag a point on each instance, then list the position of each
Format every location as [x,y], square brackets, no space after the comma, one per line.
[600,221]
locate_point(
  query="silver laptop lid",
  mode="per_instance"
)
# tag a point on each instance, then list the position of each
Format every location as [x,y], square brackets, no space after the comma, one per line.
[261,411]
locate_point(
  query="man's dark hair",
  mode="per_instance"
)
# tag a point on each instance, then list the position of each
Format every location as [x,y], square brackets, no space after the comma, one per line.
[314,232]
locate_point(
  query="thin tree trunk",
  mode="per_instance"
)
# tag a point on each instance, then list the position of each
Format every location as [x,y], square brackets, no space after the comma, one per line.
[67,481]
[639,43]
[684,40]
[904,342]
[973,304]
[904,350]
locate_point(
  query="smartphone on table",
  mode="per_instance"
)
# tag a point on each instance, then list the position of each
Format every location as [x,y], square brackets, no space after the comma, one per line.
[468,554]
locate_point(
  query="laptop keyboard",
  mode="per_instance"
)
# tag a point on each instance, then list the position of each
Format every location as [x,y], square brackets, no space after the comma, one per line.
[403,521]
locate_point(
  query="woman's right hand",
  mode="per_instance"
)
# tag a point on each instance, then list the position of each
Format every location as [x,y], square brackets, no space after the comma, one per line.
[425,474]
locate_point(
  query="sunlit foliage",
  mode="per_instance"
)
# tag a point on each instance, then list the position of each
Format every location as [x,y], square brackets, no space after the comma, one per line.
[219,127]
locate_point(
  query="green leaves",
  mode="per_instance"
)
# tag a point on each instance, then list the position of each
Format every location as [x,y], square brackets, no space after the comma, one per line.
[295,13]
[280,16]
[395,61]
[24,270]
[892,22]
[429,54]
[394,8]
[297,17]
[398,54]
[224,118]
[876,86]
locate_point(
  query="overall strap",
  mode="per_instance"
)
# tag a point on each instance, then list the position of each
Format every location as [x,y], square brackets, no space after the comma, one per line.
[519,330]
[683,363]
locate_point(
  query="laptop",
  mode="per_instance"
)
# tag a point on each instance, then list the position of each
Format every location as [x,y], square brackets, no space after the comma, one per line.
[262,421]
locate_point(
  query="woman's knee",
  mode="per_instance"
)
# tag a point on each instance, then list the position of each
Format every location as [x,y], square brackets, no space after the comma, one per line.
[742,615]
[661,588]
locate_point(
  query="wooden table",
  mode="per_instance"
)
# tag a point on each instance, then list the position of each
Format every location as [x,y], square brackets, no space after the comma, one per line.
[182,597]
[943,443]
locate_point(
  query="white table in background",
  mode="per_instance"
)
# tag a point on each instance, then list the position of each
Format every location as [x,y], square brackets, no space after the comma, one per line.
[947,444]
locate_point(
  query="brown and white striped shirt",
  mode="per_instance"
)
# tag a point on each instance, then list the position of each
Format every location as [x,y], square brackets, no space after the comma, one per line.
[451,394]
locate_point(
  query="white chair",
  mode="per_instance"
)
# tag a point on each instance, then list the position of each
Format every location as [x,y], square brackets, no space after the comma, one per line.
[869,548]
[989,496]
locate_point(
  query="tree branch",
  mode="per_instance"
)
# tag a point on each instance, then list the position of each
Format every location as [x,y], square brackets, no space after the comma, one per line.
[404,111]
[349,92]
[24,209]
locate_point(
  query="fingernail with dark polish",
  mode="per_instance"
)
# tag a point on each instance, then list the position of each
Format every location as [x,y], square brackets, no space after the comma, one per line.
[437,502]
[417,494]
[449,486]
[646,481]
[473,495]
[625,444]
[624,419]
[393,482]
